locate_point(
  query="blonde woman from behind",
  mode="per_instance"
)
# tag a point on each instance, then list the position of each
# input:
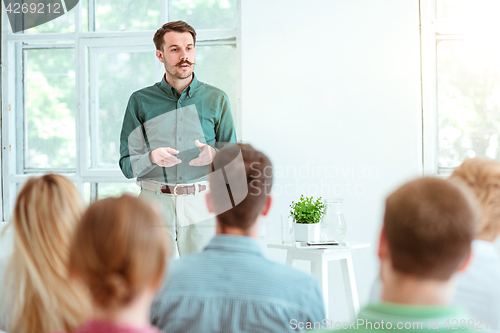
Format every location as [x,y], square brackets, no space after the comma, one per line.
[119,253]
[477,288]
[37,295]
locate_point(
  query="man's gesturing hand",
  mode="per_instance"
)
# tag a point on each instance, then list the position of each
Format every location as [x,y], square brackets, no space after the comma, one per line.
[207,154]
[163,157]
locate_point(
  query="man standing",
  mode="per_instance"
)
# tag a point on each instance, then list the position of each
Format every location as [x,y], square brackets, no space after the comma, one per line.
[169,137]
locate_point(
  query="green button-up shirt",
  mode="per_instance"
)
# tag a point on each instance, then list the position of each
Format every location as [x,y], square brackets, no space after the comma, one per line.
[157,116]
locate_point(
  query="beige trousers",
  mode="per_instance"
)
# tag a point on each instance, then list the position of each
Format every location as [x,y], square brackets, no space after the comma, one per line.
[188,223]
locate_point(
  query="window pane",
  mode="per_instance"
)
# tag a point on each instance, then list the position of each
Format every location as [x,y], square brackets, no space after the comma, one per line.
[120,74]
[468,82]
[105,190]
[86,193]
[204,14]
[127,15]
[62,24]
[50,108]
[452,8]
[462,9]
[44,43]
[467,16]
[216,65]
[85,15]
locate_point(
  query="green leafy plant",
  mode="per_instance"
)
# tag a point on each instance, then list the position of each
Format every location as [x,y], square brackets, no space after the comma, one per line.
[307,211]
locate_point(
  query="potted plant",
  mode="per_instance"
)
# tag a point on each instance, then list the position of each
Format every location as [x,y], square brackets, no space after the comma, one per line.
[307,214]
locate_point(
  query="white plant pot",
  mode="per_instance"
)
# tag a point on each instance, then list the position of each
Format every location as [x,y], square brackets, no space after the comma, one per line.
[307,232]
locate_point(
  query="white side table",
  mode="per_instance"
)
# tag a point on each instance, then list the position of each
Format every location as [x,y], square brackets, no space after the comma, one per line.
[319,258]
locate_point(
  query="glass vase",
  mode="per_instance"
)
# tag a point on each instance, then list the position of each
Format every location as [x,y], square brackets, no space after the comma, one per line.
[333,226]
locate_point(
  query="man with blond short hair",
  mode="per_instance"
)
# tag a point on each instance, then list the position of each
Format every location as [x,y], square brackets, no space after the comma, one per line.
[429,224]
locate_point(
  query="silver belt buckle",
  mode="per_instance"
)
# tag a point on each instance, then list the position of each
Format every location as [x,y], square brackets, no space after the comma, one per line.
[175,190]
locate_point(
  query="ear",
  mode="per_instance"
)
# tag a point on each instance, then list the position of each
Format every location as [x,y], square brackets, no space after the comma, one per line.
[383,248]
[465,264]
[159,55]
[267,206]
[208,200]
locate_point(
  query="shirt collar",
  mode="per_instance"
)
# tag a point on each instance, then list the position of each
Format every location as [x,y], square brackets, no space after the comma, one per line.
[232,243]
[383,309]
[171,91]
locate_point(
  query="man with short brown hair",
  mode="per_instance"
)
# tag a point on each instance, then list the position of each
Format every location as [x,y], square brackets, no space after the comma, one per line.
[169,136]
[177,26]
[429,224]
[231,286]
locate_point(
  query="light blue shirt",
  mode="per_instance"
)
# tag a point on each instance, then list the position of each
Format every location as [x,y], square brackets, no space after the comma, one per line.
[232,287]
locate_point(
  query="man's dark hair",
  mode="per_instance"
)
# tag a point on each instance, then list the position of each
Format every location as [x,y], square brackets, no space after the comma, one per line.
[240,195]
[429,224]
[177,26]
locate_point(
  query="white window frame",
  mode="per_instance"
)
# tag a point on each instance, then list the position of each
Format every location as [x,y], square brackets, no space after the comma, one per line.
[82,42]
[429,40]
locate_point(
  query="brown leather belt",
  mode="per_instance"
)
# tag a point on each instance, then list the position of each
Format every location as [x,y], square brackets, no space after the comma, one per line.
[172,189]
[182,190]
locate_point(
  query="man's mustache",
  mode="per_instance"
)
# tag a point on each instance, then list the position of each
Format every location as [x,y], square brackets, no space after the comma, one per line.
[185,62]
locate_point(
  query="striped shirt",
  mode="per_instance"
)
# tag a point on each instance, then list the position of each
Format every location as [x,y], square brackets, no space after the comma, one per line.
[410,318]
[232,287]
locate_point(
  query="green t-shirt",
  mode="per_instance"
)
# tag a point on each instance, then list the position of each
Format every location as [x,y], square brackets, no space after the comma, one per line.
[409,318]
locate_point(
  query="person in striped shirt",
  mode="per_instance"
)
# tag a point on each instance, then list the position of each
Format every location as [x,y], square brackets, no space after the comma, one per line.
[230,286]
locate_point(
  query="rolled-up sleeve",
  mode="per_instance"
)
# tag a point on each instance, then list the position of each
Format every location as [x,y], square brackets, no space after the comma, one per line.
[134,150]
[224,128]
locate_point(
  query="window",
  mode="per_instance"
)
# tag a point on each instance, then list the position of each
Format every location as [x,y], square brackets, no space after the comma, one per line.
[66,84]
[461,82]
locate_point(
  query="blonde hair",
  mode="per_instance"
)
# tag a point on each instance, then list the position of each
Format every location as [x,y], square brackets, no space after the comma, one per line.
[45,215]
[483,177]
[118,250]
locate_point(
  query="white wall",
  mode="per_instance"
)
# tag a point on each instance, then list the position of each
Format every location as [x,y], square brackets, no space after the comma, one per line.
[335,84]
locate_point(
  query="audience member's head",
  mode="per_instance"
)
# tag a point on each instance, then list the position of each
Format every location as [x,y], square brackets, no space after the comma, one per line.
[245,196]
[483,177]
[119,252]
[45,215]
[429,224]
